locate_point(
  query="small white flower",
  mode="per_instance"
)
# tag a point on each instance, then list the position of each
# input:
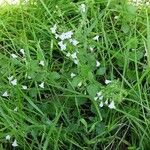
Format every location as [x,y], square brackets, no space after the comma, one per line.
[24,87]
[14,56]
[100,98]
[116,17]
[107,81]
[91,49]
[96,38]
[101,104]
[62,45]
[29,77]
[22,51]
[14,82]
[74,42]
[76,61]
[73,75]
[96,98]
[112,105]
[106,102]
[10,78]
[99,94]
[74,55]
[8,137]
[97,63]
[5,94]
[82,8]
[42,63]
[53,29]
[14,144]
[56,36]
[66,35]
[41,85]
[16,109]
[80,84]
[68,54]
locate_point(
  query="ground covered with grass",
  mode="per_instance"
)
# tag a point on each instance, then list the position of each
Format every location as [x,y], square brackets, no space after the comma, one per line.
[75,75]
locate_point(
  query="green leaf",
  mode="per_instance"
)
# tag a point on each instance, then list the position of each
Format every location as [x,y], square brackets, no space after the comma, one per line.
[92,90]
[101,71]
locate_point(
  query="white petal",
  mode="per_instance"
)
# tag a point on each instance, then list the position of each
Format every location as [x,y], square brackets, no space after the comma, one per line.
[82,8]
[100,98]
[41,85]
[106,102]
[53,29]
[14,82]
[96,38]
[76,61]
[99,94]
[22,51]
[62,45]
[80,84]
[14,144]
[74,42]
[42,63]
[107,81]
[5,94]
[68,54]
[91,49]
[10,78]
[116,17]
[74,55]
[95,98]
[97,64]
[16,109]
[73,75]
[112,105]
[24,87]
[101,104]
[8,137]
[14,56]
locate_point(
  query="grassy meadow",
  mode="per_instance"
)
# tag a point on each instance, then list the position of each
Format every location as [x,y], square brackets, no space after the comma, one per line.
[75,75]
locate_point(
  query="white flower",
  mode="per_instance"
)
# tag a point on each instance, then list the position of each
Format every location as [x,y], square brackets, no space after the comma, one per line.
[10,78]
[112,105]
[5,94]
[74,42]
[97,63]
[24,87]
[66,35]
[8,137]
[68,54]
[53,29]
[80,84]
[106,102]
[22,51]
[100,97]
[29,77]
[42,63]
[99,94]
[96,38]
[76,61]
[101,104]
[95,98]
[62,46]
[14,144]
[91,49]
[107,81]
[41,85]
[82,8]
[116,17]
[73,75]
[16,109]
[14,56]
[74,55]
[14,82]
[56,36]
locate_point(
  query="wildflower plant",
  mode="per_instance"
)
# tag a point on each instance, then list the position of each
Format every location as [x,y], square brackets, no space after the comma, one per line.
[74,76]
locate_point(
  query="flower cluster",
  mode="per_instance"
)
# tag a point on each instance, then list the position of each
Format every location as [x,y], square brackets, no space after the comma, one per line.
[64,38]
[100,98]
[139,3]
[14,144]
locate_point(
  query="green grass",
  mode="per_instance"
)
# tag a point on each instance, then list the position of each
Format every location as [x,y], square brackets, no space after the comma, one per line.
[63,115]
